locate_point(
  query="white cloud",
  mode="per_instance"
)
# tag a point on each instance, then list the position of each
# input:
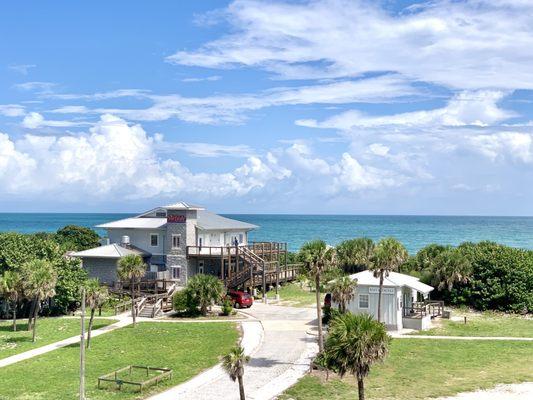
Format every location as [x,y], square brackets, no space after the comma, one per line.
[116,159]
[232,108]
[35,120]
[40,87]
[12,110]
[478,108]
[504,145]
[207,78]
[466,45]
[21,68]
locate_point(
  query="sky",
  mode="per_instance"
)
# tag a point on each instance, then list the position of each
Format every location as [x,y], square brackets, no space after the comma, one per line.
[321,107]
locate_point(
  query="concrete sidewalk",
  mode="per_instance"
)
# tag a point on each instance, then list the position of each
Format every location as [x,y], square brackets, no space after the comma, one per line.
[123,320]
[280,358]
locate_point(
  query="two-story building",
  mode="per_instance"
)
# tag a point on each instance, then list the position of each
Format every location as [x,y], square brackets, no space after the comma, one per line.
[180,240]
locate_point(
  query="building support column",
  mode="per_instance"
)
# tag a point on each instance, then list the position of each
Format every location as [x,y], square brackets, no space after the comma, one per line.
[264,284]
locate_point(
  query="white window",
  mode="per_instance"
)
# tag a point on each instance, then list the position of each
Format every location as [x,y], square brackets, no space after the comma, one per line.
[363,301]
[154,239]
[175,272]
[176,239]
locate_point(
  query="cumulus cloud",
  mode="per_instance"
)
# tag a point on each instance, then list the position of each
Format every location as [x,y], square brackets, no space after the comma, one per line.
[40,87]
[485,44]
[117,159]
[499,146]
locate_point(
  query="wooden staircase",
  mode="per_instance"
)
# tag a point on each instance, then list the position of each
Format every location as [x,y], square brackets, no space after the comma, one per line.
[254,266]
[152,306]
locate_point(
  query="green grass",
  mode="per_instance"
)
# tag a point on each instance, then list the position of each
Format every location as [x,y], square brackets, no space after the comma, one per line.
[292,294]
[187,348]
[419,368]
[49,330]
[486,324]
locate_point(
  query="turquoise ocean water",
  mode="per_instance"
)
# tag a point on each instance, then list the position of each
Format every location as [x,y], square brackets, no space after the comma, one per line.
[414,231]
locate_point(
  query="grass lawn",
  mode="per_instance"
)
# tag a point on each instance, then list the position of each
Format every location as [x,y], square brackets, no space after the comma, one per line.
[292,294]
[486,324]
[418,369]
[49,330]
[186,348]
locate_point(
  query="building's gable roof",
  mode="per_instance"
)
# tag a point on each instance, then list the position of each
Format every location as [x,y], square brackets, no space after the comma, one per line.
[136,222]
[394,279]
[110,251]
[209,221]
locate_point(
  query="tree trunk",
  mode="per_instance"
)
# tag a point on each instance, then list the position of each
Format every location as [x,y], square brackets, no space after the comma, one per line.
[319,314]
[30,316]
[361,388]
[132,284]
[14,316]
[380,295]
[90,328]
[241,387]
[35,316]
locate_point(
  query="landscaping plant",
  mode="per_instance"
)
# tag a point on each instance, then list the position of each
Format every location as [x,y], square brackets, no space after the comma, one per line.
[11,289]
[132,268]
[233,364]
[95,297]
[354,343]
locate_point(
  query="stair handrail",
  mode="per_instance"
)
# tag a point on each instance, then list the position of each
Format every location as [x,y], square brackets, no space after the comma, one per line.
[157,307]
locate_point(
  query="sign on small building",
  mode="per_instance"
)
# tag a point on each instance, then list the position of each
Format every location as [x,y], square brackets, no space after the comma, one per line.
[386,290]
[176,219]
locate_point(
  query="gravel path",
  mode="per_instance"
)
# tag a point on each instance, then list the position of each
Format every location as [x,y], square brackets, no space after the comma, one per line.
[280,350]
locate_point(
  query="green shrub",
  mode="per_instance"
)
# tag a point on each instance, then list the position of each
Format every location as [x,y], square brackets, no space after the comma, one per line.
[184,303]
[227,307]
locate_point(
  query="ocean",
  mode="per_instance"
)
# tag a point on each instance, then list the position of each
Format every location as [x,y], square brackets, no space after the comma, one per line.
[414,231]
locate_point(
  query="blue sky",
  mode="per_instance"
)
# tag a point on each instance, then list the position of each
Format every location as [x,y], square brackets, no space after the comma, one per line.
[280,107]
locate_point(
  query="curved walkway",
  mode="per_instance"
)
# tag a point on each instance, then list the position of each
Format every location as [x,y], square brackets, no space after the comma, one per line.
[280,350]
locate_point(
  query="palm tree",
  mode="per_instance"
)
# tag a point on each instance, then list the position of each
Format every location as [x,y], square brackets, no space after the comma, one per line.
[11,288]
[39,282]
[355,253]
[354,343]
[204,290]
[132,268]
[450,267]
[95,296]
[233,364]
[389,254]
[343,291]
[317,257]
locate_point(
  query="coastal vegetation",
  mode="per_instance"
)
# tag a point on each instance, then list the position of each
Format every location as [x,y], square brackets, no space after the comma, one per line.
[233,363]
[201,291]
[131,268]
[55,375]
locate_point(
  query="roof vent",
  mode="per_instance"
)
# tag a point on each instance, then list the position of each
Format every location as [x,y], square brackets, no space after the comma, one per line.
[125,242]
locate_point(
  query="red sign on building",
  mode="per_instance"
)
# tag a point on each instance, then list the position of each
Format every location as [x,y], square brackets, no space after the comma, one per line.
[176,219]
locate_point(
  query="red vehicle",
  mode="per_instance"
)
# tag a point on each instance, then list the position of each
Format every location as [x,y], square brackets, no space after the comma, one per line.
[240,299]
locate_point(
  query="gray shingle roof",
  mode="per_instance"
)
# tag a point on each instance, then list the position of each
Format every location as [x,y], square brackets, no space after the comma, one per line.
[210,221]
[110,251]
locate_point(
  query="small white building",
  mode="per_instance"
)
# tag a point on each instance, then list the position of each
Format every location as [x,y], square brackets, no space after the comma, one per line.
[403,304]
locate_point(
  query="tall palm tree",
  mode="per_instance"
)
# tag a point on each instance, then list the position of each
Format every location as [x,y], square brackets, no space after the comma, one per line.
[343,291]
[355,253]
[318,257]
[354,343]
[204,290]
[233,364]
[39,282]
[132,268]
[389,254]
[95,296]
[11,288]
[450,267]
